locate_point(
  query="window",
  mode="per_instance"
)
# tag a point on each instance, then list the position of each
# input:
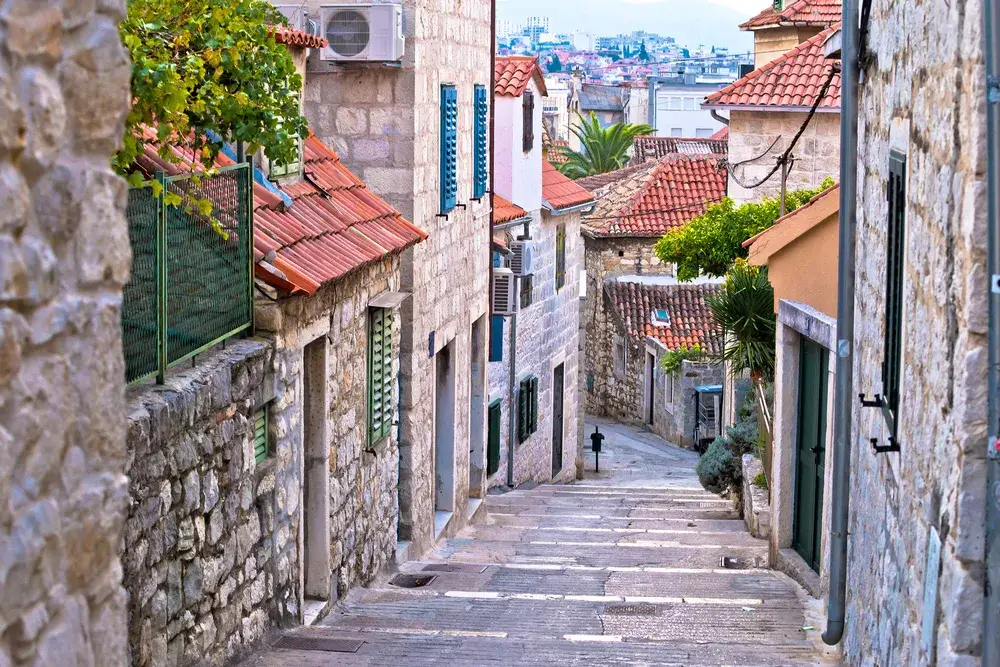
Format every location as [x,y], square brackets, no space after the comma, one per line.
[703,132]
[689,104]
[449,148]
[261,437]
[496,338]
[480,175]
[493,439]
[677,132]
[527,408]
[526,290]
[528,121]
[671,380]
[560,256]
[660,318]
[278,170]
[380,407]
[895,256]
[620,360]
[676,103]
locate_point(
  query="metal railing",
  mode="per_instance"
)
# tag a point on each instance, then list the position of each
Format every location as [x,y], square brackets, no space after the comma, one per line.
[191,285]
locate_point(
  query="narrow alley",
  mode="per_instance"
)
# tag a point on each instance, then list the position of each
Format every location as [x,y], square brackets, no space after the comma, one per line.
[621,568]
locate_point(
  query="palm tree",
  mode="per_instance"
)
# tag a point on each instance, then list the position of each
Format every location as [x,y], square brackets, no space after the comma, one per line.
[744,309]
[602,149]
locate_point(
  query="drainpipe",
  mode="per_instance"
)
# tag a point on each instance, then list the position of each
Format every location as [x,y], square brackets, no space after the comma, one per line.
[991,608]
[719,117]
[512,394]
[844,389]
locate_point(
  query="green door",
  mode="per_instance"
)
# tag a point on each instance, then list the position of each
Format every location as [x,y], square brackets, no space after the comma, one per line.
[493,439]
[810,451]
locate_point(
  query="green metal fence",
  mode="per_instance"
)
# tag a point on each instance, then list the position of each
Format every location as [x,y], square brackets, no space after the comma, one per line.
[191,285]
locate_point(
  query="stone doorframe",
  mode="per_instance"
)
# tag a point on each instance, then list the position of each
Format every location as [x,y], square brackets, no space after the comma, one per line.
[795,321]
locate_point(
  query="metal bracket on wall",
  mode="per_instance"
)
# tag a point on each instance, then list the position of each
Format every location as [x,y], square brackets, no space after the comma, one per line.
[876,403]
[893,446]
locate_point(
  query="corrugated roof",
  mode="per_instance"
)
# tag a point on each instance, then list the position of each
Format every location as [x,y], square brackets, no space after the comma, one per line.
[504,211]
[285,35]
[511,75]
[560,192]
[820,13]
[334,226]
[793,80]
[653,148]
[691,321]
[660,197]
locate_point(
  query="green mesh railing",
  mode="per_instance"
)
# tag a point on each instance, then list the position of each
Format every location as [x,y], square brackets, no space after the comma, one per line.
[191,285]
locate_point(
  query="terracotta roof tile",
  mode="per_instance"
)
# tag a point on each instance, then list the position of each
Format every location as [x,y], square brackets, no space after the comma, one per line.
[800,13]
[659,197]
[691,321]
[598,182]
[558,191]
[792,80]
[504,211]
[290,37]
[557,151]
[654,148]
[511,75]
[721,135]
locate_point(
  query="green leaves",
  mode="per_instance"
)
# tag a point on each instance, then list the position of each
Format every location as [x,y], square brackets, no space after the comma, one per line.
[709,244]
[744,308]
[209,65]
[673,360]
[603,149]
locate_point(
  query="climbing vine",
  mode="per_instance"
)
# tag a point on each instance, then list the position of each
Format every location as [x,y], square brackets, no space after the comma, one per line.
[674,359]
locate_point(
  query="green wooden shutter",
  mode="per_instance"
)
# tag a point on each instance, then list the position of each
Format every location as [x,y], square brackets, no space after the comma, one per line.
[895,256]
[527,121]
[380,407]
[560,256]
[449,148]
[523,414]
[493,440]
[496,338]
[480,144]
[261,450]
[533,384]
[526,285]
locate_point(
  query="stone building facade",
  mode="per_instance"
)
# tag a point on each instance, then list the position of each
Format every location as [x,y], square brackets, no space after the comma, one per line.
[385,124]
[922,101]
[64,80]
[675,413]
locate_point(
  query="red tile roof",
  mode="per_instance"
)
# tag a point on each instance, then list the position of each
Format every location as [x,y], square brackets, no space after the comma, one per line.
[288,36]
[557,151]
[800,13]
[511,75]
[795,79]
[654,148]
[504,211]
[331,229]
[721,135]
[559,192]
[665,195]
[691,321]
[598,182]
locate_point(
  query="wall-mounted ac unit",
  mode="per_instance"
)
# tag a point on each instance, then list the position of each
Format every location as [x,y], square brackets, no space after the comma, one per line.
[362,32]
[521,258]
[504,292]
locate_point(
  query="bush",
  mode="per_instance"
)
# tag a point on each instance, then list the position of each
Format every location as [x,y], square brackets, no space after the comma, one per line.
[760,481]
[718,468]
[742,437]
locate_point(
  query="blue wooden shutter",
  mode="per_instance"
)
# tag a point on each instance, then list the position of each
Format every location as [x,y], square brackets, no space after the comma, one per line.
[895,257]
[479,149]
[380,407]
[496,338]
[449,148]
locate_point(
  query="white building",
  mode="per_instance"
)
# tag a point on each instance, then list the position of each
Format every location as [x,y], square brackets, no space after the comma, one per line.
[583,41]
[677,109]
[555,109]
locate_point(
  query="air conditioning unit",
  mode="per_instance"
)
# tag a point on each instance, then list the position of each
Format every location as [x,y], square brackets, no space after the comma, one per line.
[362,32]
[521,258]
[504,292]
[296,15]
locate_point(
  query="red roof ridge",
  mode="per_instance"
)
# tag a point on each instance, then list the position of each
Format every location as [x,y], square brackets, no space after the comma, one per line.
[511,75]
[292,37]
[795,14]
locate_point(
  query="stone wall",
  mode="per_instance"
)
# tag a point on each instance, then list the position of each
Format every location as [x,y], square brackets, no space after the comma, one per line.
[605,259]
[64,257]
[924,95]
[773,43]
[674,420]
[209,552]
[547,336]
[817,153]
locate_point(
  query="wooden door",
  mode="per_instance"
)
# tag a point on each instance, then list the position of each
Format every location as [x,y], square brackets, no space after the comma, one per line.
[557,419]
[810,452]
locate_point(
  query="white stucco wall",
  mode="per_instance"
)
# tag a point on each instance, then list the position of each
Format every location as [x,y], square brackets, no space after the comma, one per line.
[690,116]
[518,173]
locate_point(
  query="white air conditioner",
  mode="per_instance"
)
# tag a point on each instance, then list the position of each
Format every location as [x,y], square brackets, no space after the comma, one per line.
[521,258]
[504,292]
[362,32]
[296,15]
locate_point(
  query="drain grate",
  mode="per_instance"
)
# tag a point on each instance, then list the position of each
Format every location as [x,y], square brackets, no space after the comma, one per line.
[455,567]
[737,563]
[631,609]
[326,644]
[412,580]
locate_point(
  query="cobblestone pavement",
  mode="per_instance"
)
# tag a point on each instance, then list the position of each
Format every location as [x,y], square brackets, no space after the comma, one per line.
[621,568]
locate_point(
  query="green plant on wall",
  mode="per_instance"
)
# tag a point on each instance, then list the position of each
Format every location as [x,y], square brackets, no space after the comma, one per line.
[673,360]
[711,242]
[201,66]
[744,309]
[602,149]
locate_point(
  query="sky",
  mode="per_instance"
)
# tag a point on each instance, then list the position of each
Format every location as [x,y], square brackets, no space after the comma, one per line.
[690,22]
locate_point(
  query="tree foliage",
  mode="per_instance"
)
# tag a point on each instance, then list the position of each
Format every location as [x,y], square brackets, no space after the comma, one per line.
[744,308]
[209,65]
[555,65]
[603,149]
[674,360]
[709,244]
[643,53]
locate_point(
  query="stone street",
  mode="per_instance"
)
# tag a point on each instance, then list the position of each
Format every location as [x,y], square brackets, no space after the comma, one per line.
[620,568]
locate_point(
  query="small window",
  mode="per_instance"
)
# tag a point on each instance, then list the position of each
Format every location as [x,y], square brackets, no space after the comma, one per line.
[660,318]
[261,436]
[689,104]
[671,380]
[676,103]
[527,286]
[620,361]
[528,121]
[480,175]
[380,406]
[677,132]
[895,259]
[527,408]
[560,256]
[278,170]
[703,132]
[496,338]
[449,148]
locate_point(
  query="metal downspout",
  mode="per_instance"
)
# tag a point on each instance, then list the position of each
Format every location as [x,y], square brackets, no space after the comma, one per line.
[512,411]
[844,388]
[991,599]
[719,117]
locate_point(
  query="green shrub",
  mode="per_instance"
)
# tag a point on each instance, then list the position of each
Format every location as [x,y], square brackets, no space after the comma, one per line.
[742,437]
[760,481]
[718,468]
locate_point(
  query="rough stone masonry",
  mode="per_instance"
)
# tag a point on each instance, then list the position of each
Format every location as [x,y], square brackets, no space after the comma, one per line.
[64,256]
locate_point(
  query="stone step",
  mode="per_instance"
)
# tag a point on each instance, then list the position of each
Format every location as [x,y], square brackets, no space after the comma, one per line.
[608,502]
[681,536]
[526,520]
[691,514]
[597,492]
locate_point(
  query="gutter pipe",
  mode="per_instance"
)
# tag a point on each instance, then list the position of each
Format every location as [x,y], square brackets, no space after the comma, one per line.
[991,598]
[719,117]
[844,388]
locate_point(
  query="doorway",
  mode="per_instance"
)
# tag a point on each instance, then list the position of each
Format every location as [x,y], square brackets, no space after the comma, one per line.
[477,408]
[650,387]
[558,382]
[810,452]
[318,568]
[444,434]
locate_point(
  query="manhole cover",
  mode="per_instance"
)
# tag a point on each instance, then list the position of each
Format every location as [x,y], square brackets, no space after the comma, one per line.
[455,567]
[327,644]
[631,609]
[412,580]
